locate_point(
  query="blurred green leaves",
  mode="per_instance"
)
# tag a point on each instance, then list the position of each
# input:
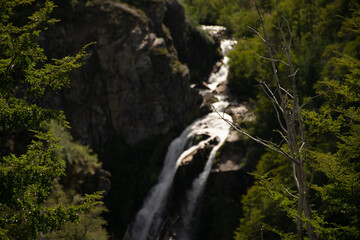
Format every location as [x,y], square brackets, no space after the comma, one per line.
[27,176]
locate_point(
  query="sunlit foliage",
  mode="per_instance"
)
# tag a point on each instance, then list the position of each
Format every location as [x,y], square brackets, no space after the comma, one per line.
[29,162]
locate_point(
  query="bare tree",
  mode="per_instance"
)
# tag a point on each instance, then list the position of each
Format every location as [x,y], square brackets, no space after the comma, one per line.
[288,113]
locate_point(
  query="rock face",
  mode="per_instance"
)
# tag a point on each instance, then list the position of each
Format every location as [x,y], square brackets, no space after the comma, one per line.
[133,85]
[133,94]
[196,49]
[220,207]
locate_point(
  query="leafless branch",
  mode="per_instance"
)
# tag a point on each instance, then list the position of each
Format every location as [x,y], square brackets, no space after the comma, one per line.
[253,30]
[269,48]
[302,145]
[287,93]
[267,90]
[274,102]
[302,134]
[295,177]
[291,115]
[292,195]
[293,74]
[311,98]
[265,143]
[290,32]
[283,136]
[266,58]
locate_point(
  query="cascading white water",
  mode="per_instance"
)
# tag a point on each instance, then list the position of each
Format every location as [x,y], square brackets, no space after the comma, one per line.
[222,130]
[221,75]
[158,194]
[198,185]
[211,125]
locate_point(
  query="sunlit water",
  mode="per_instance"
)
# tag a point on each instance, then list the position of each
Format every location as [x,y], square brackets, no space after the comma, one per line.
[148,219]
[219,129]
[220,77]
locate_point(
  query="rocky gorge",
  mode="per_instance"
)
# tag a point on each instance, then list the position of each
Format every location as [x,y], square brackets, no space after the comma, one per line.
[137,92]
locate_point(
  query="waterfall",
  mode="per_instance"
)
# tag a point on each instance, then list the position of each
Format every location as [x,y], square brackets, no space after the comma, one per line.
[221,76]
[221,131]
[211,125]
[198,185]
[156,198]
[148,219]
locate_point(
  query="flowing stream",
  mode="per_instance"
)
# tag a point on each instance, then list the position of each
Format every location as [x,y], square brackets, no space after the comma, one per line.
[149,217]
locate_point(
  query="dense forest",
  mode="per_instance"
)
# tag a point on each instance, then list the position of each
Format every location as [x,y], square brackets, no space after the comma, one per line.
[296,64]
[321,39]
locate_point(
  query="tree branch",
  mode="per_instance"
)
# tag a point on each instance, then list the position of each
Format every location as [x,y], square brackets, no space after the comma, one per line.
[311,98]
[258,140]
[275,104]
[266,58]
[272,97]
[292,195]
[287,93]
[253,30]
[283,136]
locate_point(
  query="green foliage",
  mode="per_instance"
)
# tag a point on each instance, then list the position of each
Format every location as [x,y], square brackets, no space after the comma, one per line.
[26,182]
[340,194]
[326,49]
[235,15]
[265,203]
[81,165]
[239,20]
[52,76]
[141,4]
[26,178]
[21,56]
[18,115]
[351,25]
[205,11]
[252,220]
[88,228]
[243,70]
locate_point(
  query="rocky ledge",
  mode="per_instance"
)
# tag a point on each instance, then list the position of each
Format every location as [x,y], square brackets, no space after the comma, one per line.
[134,84]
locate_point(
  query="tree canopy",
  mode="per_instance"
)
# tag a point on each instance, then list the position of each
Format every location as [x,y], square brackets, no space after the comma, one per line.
[325,50]
[29,162]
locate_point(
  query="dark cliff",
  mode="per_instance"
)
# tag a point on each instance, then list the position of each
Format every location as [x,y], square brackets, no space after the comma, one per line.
[133,85]
[133,95]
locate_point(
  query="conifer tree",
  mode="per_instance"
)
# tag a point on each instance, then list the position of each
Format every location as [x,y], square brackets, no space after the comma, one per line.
[28,162]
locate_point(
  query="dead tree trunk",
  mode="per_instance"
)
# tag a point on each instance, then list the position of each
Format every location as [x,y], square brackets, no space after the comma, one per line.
[288,113]
[290,109]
